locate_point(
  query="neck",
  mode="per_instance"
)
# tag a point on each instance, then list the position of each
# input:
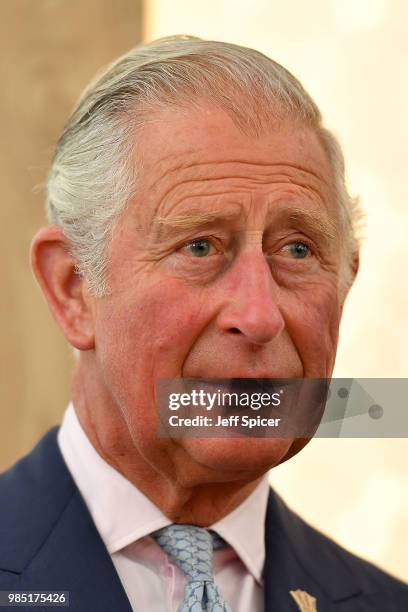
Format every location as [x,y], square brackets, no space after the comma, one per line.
[191,501]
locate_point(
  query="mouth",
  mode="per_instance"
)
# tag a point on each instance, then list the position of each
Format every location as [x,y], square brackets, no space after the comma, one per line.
[244,375]
[244,382]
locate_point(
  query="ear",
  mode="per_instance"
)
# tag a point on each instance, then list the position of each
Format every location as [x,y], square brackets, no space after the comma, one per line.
[345,287]
[355,264]
[65,291]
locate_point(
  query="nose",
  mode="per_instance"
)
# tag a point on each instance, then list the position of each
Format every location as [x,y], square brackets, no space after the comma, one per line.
[251,308]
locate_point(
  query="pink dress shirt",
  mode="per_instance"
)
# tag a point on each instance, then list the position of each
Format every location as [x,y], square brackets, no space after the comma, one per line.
[124,518]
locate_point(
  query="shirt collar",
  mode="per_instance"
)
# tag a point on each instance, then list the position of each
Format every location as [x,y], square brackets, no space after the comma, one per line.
[123,514]
[244,529]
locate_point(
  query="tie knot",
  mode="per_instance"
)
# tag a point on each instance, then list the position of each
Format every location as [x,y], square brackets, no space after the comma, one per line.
[191,548]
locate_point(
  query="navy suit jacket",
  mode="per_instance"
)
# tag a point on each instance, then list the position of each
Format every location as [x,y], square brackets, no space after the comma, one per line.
[48,541]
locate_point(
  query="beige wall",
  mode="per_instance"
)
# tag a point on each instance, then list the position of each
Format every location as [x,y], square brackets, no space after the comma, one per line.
[351,56]
[49,49]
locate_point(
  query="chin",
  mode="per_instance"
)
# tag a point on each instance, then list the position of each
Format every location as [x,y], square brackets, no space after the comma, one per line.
[239,457]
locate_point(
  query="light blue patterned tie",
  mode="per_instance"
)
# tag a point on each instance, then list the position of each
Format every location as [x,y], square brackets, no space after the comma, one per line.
[191,548]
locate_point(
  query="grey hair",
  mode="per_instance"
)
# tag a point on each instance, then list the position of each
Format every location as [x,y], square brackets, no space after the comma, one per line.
[93,175]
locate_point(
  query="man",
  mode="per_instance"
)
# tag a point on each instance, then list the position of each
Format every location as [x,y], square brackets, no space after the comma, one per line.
[200,228]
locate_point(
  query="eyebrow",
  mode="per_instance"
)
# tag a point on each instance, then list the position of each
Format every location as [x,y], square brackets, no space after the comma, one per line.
[310,220]
[325,227]
[195,218]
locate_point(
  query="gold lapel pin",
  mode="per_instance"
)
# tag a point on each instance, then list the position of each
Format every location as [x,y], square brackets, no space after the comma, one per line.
[305,602]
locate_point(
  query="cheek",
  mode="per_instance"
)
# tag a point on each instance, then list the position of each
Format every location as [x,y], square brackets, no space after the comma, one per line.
[152,329]
[142,336]
[313,318]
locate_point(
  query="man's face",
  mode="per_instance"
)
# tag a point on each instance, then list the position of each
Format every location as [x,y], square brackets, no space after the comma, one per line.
[226,264]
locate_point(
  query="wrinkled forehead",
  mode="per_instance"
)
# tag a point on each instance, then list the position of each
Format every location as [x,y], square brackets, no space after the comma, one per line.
[183,152]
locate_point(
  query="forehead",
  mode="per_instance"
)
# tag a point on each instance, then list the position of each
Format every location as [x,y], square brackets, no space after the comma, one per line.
[182,153]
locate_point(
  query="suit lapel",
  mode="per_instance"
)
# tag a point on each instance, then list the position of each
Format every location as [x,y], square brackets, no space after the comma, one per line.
[48,539]
[299,558]
[74,558]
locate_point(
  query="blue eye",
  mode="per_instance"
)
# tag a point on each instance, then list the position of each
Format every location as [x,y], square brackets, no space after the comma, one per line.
[199,248]
[299,250]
